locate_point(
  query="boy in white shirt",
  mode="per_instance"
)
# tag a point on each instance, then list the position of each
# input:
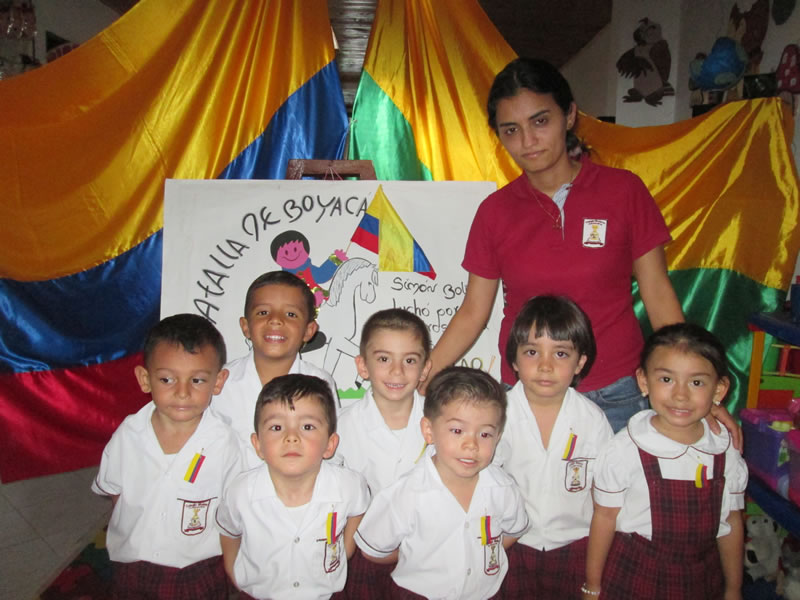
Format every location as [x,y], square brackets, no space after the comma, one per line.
[450,519]
[279,317]
[380,435]
[165,468]
[288,525]
[550,446]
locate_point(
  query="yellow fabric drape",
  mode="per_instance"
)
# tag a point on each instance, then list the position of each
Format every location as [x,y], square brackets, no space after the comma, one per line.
[725,182]
[172,89]
[436,60]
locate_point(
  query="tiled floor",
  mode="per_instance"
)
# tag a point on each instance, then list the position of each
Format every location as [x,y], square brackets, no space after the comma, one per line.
[44,523]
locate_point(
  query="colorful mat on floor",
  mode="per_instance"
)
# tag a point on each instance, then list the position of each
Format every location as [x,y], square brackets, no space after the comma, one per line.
[88,577]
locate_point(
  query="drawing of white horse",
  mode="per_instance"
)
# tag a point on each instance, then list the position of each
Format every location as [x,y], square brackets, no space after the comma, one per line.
[352,285]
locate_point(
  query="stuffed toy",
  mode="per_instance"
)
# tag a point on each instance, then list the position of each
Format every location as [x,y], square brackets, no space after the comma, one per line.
[789,584]
[762,552]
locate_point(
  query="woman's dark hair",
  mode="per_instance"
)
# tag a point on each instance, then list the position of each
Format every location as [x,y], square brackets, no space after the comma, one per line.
[691,338]
[560,319]
[538,76]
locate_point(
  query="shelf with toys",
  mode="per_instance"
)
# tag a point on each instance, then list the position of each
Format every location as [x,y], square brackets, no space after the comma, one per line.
[771,421]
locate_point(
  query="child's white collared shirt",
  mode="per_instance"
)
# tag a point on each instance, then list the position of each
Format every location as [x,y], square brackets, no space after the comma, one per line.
[620,481]
[555,481]
[162,516]
[278,559]
[367,445]
[441,549]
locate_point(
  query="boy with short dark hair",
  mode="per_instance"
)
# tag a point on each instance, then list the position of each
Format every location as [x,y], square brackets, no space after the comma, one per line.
[279,317]
[165,468]
[288,525]
[449,520]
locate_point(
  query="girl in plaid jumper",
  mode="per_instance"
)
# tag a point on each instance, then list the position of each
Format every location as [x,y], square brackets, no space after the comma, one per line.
[668,491]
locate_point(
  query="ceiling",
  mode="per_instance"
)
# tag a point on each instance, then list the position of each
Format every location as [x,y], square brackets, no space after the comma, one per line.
[554,31]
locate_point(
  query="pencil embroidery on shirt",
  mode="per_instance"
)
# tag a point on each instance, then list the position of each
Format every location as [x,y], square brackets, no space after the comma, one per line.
[569,449]
[422,452]
[330,528]
[701,476]
[194,467]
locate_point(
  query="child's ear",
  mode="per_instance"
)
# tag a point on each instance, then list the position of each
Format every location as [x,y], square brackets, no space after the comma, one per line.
[256,445]
[723,385]
[641,379]
[143,378]
[333,443]
[245,327]
[311,329]
[425,370]
[222,377]
[427,429]
[581,361]
[361,367]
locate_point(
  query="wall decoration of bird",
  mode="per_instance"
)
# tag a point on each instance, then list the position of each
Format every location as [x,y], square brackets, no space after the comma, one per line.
[648,63]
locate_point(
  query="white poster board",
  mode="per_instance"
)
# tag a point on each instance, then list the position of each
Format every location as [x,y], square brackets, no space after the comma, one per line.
[218,236]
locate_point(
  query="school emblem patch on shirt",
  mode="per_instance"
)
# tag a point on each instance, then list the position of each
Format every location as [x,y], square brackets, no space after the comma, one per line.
[594,233]
[575,474]
[194,516]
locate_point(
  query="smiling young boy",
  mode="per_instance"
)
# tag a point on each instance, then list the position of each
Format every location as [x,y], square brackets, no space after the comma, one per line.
[165,468]
[448,521]
[279,317]
[287,526]
[380,434]
[553,437]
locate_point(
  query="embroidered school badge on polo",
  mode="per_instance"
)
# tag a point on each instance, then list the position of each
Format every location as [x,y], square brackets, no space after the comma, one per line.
[194,516]
[194,467]
[575,474]
[594,233]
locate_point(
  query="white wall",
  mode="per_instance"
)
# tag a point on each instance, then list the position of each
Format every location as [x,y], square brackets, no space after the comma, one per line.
[74,20]
[592,77]
[689,26]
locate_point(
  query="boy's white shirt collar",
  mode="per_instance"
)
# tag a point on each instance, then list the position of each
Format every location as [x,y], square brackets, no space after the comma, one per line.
[374,419]
[645,436]
[324,488]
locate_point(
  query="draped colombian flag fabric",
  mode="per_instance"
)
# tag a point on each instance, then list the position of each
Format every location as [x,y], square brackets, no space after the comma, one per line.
[178,89]
[725,181]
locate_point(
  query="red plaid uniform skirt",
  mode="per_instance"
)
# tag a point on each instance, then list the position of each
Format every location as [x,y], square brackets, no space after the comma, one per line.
[367,580]
[204,580]
[546,575]
[398,593]
[682,561]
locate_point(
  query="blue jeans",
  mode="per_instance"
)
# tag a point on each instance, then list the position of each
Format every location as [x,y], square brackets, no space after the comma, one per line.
[620,401]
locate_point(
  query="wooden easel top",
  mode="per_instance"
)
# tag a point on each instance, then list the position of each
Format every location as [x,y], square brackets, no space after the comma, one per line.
[297,168]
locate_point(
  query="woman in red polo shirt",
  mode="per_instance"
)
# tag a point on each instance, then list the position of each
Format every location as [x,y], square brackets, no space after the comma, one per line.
[565,226]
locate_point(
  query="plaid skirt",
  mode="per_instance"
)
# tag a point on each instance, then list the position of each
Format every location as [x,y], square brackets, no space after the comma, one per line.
[367,580]
[551,574]
[395,592]
[635,568]
[204,580]
[337,596]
